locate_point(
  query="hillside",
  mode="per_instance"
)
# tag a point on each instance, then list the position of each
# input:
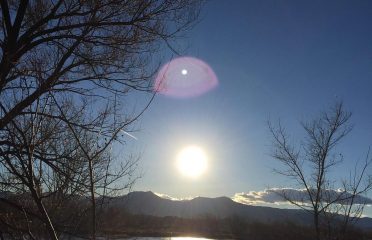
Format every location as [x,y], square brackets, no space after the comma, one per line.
[148,203]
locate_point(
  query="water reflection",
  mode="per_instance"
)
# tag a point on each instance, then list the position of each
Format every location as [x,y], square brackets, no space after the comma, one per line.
[188,238]
[169,238]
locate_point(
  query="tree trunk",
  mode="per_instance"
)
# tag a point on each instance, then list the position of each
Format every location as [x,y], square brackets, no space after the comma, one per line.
[316,224]
[45,216]
[93,199]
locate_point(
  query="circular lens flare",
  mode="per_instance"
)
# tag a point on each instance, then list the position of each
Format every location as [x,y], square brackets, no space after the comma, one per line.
[192,161]
[185,77]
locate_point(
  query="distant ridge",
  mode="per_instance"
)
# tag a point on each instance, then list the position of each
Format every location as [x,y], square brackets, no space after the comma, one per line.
[148,203]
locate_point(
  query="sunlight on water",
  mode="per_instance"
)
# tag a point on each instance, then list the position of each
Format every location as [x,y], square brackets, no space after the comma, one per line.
[188,238]
[150,238]
[170,238]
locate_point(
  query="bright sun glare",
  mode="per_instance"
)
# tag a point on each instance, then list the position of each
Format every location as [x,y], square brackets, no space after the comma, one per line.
[192,161]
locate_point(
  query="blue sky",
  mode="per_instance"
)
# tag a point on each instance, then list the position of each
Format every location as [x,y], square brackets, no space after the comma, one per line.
[273,59]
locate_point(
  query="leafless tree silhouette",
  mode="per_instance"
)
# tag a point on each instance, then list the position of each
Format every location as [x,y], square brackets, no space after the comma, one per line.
[65,73]
[309,164]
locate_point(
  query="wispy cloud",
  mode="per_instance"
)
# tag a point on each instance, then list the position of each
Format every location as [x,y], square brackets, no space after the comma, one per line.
[165,196]
[278,196]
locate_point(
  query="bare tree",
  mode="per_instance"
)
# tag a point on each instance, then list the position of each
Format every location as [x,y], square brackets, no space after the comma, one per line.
[60,168]
[65,71]
[309,164]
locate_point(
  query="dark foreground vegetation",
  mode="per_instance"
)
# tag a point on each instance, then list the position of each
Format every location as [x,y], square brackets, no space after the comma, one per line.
[116,222]
[119,224]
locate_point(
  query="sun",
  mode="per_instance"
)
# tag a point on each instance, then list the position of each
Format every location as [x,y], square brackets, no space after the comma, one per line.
[192,161]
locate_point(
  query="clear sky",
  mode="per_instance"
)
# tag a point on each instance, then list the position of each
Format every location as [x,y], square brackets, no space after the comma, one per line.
[273,59]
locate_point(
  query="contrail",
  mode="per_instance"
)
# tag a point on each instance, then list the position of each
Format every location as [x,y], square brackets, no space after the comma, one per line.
[130,135]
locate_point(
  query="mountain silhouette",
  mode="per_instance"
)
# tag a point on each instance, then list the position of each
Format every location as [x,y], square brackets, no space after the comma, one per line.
[148,203]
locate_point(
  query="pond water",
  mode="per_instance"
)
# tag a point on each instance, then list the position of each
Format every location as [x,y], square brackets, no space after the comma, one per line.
[157,238]
[168,238]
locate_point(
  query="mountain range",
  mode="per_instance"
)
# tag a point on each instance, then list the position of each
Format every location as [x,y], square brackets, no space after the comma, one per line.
[148,203]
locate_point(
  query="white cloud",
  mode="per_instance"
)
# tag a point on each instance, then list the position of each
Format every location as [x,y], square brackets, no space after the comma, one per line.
[279,196]
[165,196]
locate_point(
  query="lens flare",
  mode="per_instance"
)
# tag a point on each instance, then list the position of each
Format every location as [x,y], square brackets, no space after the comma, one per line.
[185,77]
